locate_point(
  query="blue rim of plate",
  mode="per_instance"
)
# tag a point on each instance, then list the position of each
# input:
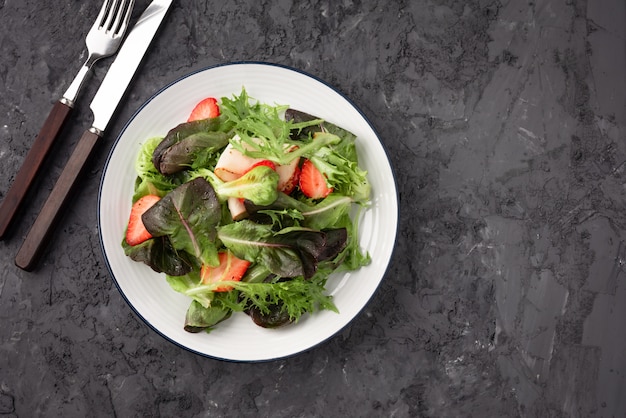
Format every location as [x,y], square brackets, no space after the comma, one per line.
[108,159]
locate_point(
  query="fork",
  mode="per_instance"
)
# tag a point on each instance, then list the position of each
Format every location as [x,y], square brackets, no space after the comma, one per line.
[103,40]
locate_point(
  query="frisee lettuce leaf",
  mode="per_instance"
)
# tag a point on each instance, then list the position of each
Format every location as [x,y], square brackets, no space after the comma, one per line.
[296,296]
[263,133]
[342,174]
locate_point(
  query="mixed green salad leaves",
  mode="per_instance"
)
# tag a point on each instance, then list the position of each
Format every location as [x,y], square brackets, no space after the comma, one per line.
[235,221]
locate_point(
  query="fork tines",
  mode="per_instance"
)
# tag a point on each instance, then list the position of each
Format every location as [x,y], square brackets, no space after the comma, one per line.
[114,15]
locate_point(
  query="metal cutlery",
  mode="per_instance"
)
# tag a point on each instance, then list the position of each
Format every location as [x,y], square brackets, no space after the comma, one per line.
[103,40]
[103,106]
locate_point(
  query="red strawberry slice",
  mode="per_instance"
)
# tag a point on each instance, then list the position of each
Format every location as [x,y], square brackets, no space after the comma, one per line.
[207,108]
[230,268]
[312,181]
[136,232]
[266,163]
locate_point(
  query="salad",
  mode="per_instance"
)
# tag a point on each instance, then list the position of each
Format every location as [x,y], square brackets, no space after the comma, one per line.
[248,207]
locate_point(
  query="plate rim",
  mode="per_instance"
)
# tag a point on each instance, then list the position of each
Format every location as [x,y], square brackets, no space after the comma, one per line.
[134,116]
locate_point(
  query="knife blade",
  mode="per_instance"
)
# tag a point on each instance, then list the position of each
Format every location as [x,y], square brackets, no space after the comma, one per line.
[103,106]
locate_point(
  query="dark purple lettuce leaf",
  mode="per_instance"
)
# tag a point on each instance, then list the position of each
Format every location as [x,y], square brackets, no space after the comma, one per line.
[188,215]
[274,318]
[159,254]
[178,150]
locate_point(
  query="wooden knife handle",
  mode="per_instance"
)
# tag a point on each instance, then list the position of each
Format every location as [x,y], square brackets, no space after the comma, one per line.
[39,233]
[32,163]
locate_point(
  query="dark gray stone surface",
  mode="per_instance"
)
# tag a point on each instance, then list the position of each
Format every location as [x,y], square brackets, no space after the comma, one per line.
[506,296]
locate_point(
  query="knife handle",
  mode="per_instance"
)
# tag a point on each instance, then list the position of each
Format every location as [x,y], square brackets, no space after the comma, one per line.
[39,233]
[32,163]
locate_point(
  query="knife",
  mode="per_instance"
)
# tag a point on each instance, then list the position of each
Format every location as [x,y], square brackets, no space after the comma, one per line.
[103,105]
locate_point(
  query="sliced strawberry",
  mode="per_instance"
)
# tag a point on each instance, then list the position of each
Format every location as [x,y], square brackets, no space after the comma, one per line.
[312,181]
[136,232]
[230,268]
[266,163]
[207,108]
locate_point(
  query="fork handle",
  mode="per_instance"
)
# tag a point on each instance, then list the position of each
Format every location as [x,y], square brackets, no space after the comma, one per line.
[39,234]
[32,163]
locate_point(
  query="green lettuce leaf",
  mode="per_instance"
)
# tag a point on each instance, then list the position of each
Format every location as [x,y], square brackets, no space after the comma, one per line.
[290,252]
[331,212]
[258,244]
[200,318]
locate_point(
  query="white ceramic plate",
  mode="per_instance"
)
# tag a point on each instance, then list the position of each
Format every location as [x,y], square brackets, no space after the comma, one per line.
[238,338]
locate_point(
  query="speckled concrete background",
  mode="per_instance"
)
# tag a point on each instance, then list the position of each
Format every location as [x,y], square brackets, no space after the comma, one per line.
[504,122]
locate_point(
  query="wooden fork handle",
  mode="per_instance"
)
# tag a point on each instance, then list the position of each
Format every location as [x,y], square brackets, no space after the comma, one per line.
[32,163]
[39,233]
